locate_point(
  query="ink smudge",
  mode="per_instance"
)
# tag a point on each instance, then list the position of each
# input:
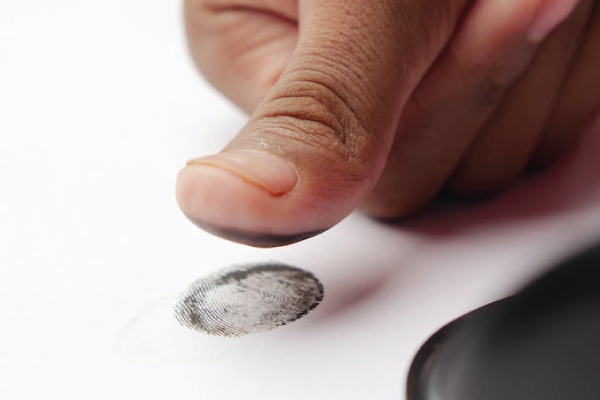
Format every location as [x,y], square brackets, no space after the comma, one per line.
[242,300]
[254,239]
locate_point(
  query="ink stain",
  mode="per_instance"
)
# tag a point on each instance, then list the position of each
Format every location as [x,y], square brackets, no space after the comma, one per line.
[264,240]
[243,300]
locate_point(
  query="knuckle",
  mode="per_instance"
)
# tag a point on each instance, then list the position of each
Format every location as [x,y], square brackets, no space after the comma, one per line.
[489,84]
[315,110]
[435,20]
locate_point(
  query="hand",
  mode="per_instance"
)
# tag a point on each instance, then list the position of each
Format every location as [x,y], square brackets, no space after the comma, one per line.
[382,104]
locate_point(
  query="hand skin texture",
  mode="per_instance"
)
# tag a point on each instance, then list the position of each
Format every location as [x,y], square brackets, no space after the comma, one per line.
[382,105]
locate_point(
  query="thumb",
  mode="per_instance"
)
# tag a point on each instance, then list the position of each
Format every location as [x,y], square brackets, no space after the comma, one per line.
[319,141]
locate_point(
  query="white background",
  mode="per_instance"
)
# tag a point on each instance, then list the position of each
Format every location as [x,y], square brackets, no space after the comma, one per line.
[99,108]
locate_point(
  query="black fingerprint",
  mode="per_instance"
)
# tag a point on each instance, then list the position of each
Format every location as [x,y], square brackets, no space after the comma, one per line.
[241,300]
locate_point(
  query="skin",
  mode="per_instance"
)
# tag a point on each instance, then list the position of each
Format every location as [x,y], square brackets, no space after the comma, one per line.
[382,105]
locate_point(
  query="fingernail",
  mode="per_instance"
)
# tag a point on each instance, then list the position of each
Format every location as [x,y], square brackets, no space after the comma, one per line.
[258,168]
[549,15]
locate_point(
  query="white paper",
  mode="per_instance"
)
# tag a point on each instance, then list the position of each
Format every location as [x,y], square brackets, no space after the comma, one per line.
[99,108]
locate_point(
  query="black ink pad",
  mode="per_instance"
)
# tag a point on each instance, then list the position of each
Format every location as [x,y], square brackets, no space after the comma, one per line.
[541,344]
[248,299]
